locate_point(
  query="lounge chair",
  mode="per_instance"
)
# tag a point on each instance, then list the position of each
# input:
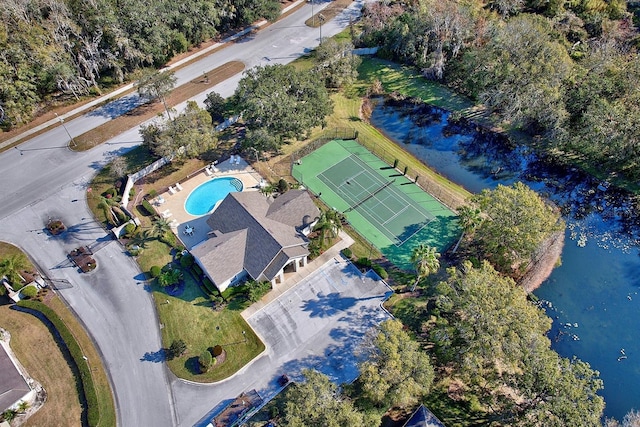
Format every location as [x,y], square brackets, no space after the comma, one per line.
[174,223]
[237,160]
[208,171]
[166,214]
[178,186]
[172,190]
[214,168]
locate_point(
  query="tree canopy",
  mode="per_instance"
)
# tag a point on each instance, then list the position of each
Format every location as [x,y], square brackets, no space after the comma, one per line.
[495,341]
[397,372]
[76,47]
[318,402]
[517,221]
[186,136]
[278,102]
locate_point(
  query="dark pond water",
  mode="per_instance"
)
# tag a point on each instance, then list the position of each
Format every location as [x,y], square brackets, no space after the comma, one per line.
[594,296]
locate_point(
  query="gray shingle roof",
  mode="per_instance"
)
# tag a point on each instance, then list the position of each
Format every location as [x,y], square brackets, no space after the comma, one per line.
[294,208]
[12,386]
[423,417]
[270,227]
[223,256]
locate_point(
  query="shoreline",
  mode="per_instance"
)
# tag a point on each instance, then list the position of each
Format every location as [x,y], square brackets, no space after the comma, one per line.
[542,267]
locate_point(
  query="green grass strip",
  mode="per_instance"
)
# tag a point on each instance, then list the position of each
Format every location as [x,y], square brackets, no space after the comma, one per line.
[93,412]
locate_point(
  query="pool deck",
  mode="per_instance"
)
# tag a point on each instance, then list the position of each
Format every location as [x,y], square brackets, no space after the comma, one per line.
[174,203]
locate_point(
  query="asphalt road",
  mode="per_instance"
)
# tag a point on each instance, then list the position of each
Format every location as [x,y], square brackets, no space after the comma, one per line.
[42,179]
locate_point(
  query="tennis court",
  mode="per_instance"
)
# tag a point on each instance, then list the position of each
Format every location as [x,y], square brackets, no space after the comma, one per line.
[383,205]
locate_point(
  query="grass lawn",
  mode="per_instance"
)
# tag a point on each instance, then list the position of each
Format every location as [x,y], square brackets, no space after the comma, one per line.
[189,317]
[36,350]
[139,115]
[405,80]
[98,373]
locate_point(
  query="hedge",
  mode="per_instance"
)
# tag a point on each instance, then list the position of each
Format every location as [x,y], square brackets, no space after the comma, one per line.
[380,271]
[210,287]
[93,411]
[147,207]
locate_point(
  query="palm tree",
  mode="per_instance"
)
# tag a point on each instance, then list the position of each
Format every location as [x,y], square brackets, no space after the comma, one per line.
[469,219]
[170,277]
[425,261]
[11,266]
[159,228]
[329,221]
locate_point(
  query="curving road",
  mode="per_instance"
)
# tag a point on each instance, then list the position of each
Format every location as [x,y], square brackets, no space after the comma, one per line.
[42,179]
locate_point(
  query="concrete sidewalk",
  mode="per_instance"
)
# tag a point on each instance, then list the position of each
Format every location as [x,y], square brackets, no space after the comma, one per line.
[294,278]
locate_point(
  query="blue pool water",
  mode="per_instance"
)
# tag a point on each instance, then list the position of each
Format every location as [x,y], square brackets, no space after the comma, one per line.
[205,196]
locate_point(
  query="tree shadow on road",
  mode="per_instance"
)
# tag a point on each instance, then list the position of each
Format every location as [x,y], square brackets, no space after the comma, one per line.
[155,356]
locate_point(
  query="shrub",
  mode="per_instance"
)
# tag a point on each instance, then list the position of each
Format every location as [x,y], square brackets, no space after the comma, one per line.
[380,271]
[122,217]
[155,271]
[177,349]
[217,350]
[132,192]
[170,240]
[129,229]
[93,411]
[197,270]
[364,262]
[204,361]
[257,290]
[29,292]
[147,207]
[186,261]
[283,186]
[153,193]
[347,253]
[111,192]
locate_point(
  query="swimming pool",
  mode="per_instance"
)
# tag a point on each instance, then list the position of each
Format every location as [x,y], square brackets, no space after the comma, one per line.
[204,197]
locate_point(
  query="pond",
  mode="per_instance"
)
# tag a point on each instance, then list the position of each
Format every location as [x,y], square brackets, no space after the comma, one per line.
[593,297]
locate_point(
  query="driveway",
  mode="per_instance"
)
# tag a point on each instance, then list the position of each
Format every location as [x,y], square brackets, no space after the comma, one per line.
[319,324]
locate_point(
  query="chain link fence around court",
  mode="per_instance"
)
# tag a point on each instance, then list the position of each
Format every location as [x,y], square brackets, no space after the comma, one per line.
[446,196]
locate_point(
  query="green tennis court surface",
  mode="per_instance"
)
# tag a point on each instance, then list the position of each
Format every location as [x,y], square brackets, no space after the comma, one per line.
[384,206]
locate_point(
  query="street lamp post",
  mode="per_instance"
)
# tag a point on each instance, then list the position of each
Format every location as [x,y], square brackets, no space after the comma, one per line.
[321,18]
[65,129]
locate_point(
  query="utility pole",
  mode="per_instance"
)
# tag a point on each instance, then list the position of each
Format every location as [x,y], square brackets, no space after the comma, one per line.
[66,130]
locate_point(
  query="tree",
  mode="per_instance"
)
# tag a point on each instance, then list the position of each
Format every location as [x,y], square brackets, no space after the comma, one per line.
[522,72]
[425,261]
[517,220]
[170,277]
[282,101]
[160,227]
[336,63]
[118,167]
[494,341]
[11,266]
[157,85]
[469,218]
[188,135]
[215,105]
[397,372]
[204,361]
[177,349]
[329,223]
[317,402]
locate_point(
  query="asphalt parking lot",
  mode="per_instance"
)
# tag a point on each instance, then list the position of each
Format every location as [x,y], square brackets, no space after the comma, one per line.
[320,322]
